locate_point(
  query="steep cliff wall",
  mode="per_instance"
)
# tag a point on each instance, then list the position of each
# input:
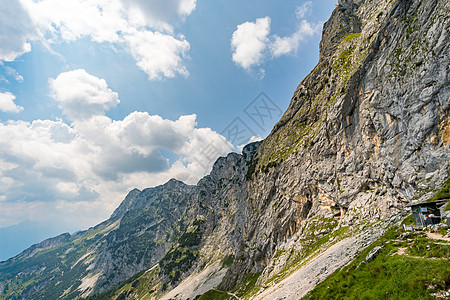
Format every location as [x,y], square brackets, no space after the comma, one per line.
[365,133]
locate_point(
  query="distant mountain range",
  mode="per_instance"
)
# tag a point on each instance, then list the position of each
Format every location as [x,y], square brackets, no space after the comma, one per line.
[21,236]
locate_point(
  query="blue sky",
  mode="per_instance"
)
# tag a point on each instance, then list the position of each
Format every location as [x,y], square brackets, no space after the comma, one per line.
[101,96]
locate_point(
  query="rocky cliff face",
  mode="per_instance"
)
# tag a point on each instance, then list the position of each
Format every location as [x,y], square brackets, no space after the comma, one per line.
[366,133]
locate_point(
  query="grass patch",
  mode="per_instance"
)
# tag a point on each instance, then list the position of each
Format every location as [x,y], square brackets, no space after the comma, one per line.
[394,277]
[138,286]
[352,36]
[247,286]
[111,292]
[424,247]
[215,295]
[408,220]
[389,275]
[443,193]
[228,261]
[190,239]
[176,262]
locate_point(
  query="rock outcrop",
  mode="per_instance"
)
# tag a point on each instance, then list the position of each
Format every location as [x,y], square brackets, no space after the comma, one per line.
[366,132]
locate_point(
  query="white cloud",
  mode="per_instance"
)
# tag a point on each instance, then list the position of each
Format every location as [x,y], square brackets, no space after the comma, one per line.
[249,41]
[158,54]
[7,103]
[70,170]
[185,7]
[15,30]
[303,10]
[98,162]
[287,45]
[74,19]
[142,28]
[81,95]
[158,13]
[13,73]
[143,133]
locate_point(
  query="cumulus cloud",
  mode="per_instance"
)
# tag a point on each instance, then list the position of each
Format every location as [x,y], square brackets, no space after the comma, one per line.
[91,162]
[53,161]
[288,45]
[252,43]
[7,103]
[143,28]
[81,95]
[11,72]
[15,30]
[158,13]
[144,133]
[158,54]
[73,19]
[249,41]
[303,10]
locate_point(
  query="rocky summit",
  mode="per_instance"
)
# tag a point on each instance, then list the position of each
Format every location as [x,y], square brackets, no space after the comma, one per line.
[367,132]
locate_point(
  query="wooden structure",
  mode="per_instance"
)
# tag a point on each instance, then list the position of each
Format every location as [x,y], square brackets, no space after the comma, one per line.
[425,214]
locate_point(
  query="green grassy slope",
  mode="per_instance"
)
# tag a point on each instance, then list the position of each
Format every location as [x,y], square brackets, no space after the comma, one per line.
[407,267]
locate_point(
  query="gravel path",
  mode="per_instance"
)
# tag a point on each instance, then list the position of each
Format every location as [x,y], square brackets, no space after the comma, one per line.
[437,236]
[301,281]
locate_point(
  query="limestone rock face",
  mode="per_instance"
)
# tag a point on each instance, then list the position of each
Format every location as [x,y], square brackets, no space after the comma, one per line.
[366,132]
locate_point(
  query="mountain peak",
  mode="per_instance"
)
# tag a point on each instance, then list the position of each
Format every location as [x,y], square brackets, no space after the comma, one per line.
[126,204]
